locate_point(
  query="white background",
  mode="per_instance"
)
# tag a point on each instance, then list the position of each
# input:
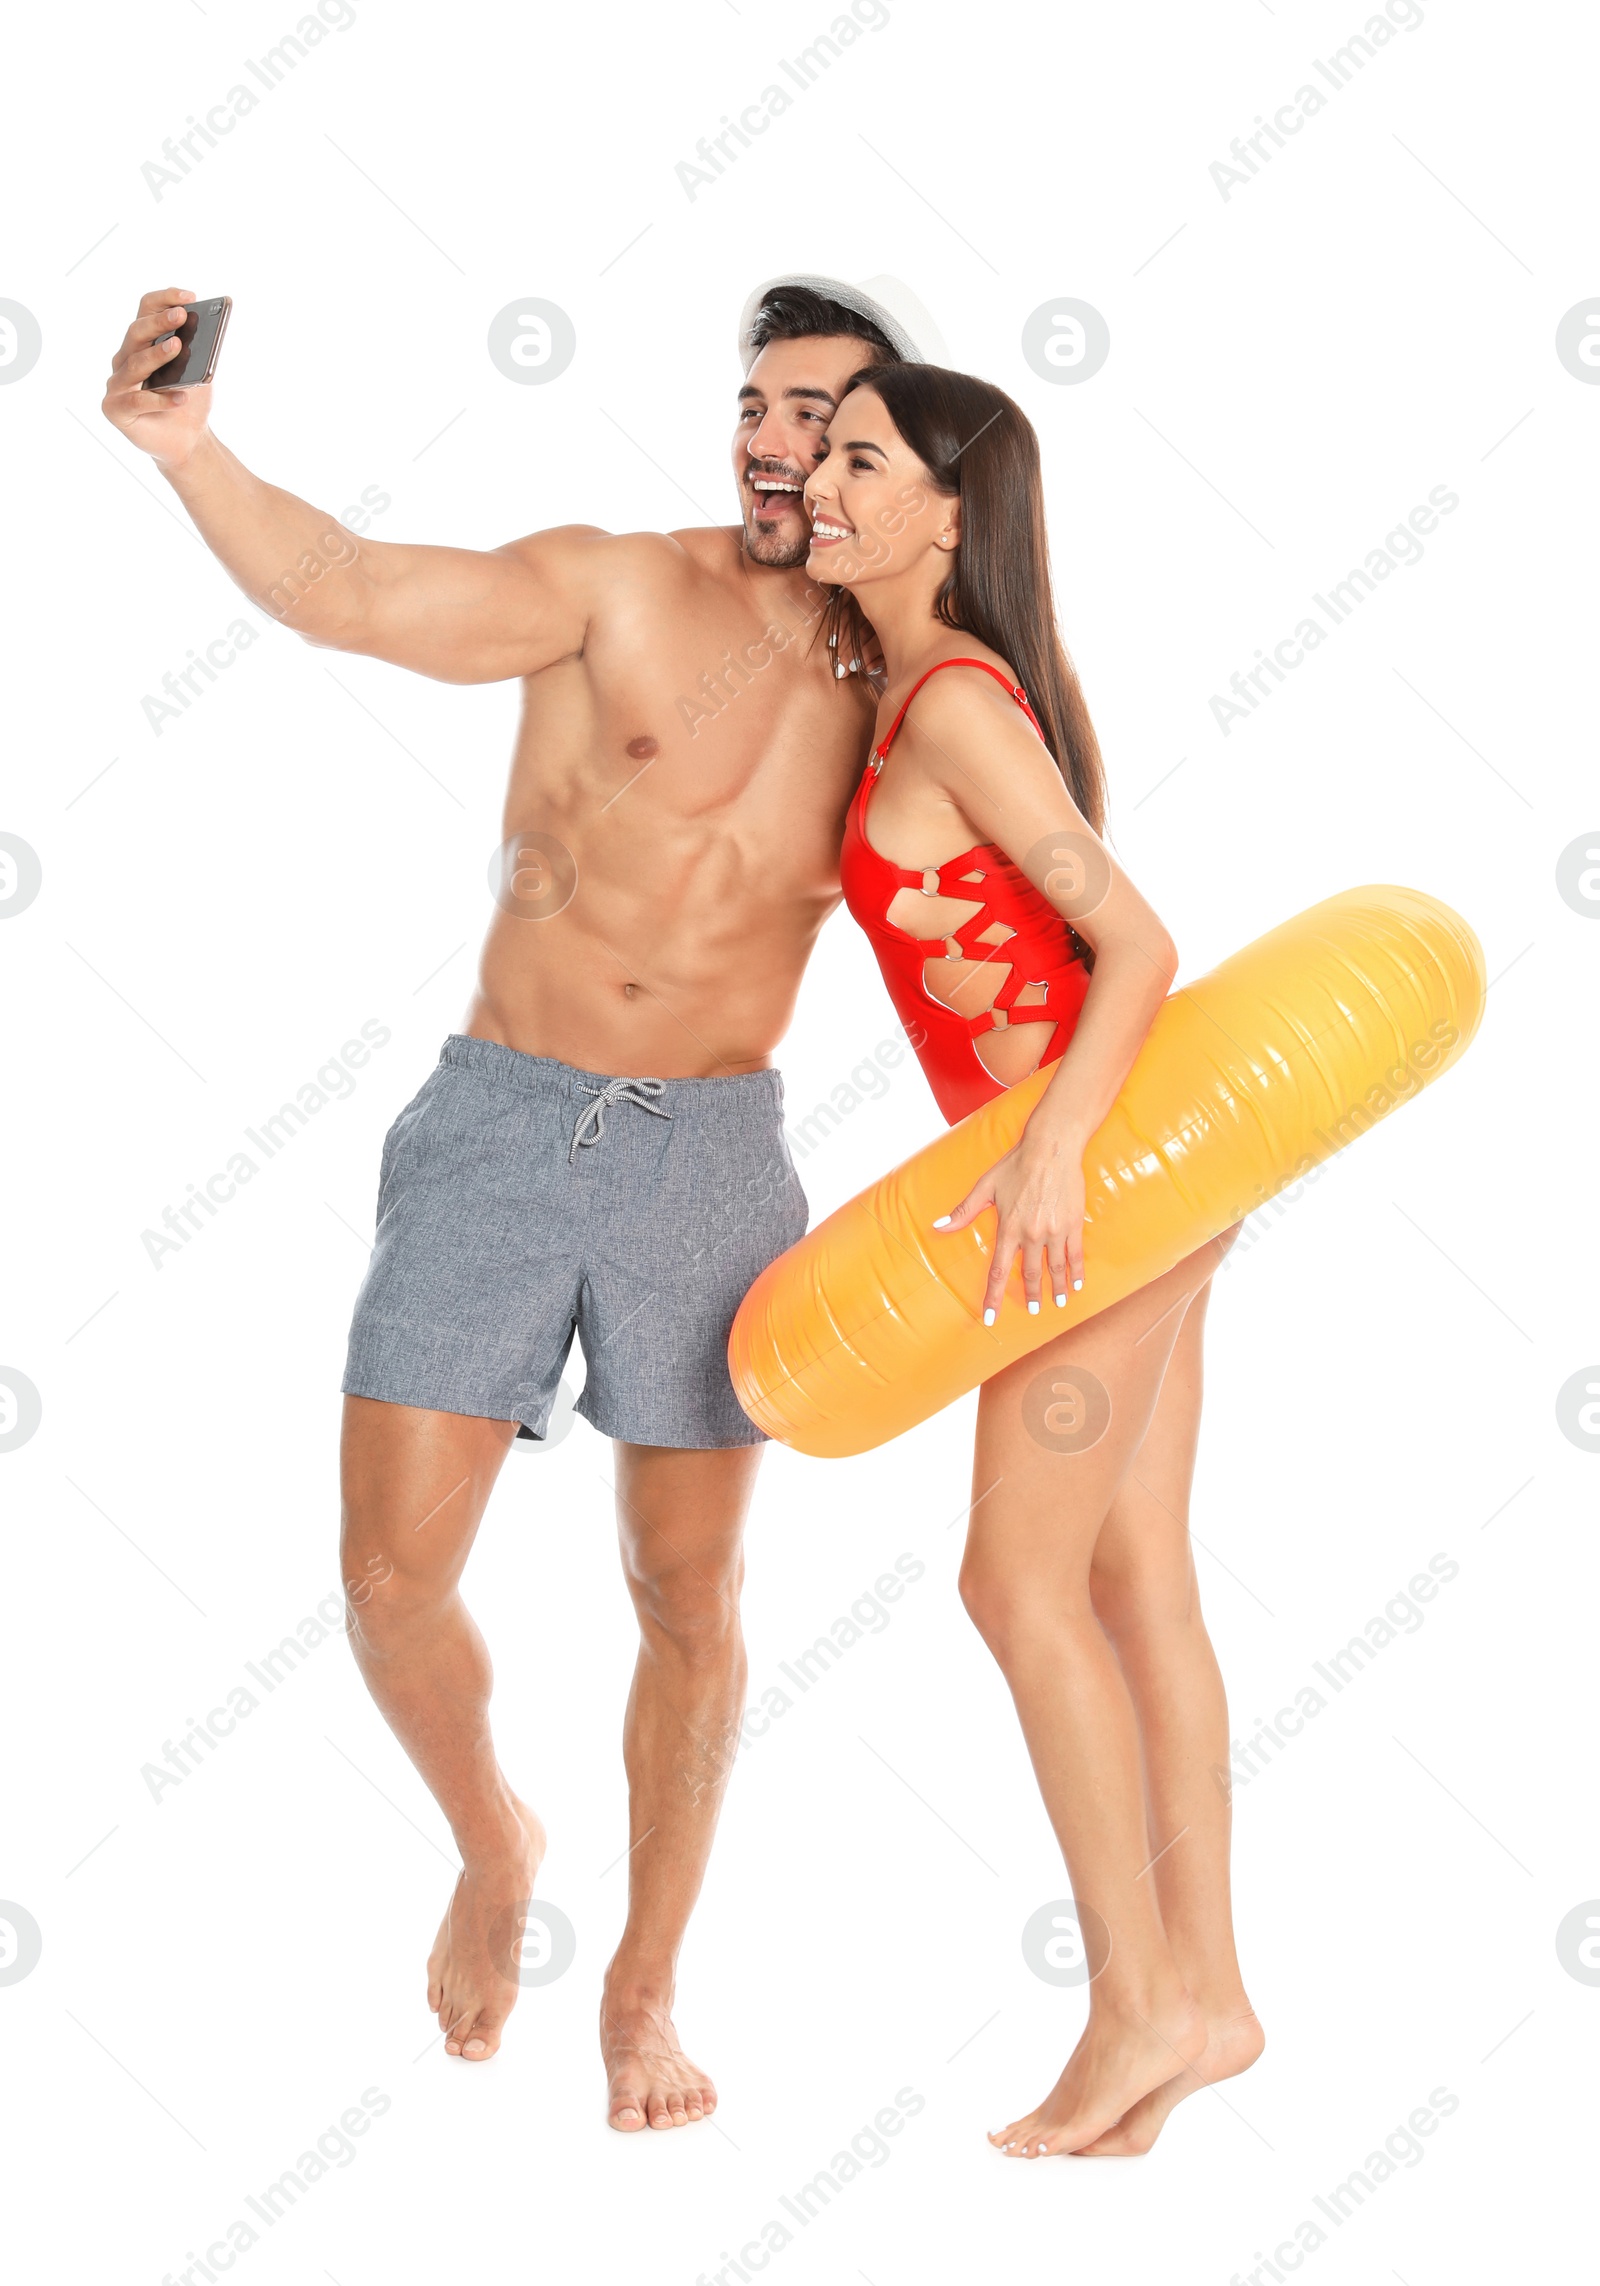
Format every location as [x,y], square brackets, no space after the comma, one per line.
[1373,315]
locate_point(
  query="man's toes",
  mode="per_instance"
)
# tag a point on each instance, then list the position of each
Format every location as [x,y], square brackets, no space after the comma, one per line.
[627,2114]
[488,2027]
[467,2035]
[693,2108]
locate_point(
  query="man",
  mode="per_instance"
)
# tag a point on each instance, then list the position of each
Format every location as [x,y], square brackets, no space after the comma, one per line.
[601,1149]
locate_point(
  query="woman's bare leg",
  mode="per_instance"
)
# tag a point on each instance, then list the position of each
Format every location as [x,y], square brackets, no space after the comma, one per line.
[1148,1600]
[1044,1484]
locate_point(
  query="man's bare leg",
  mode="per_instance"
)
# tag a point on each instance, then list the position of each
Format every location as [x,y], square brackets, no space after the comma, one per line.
[415,1487]
[680,1517]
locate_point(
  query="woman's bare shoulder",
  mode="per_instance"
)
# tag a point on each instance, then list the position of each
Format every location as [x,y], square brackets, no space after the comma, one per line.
[959,712]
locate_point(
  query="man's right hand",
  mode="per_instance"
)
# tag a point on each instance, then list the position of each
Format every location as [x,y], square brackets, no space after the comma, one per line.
[462,615]
[166,423]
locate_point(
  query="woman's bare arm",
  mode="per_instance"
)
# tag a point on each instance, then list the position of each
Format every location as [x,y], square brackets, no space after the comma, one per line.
[978,751]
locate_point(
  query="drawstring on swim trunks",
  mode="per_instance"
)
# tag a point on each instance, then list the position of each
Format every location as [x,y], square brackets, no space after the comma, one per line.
[593,1114]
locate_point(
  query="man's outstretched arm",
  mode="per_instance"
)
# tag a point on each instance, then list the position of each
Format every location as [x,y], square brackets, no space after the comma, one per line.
[459,614]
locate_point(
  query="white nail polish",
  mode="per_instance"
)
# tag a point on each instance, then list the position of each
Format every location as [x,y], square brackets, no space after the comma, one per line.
[941,1222]
[1033,1309]
[988,1317]
[1077,1285]
[1061,1301]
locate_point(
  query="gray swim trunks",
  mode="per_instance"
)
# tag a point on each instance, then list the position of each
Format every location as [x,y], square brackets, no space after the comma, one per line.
[521,1201]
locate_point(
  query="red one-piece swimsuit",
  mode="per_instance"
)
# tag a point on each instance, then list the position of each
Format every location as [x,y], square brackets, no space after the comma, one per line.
[1041,950]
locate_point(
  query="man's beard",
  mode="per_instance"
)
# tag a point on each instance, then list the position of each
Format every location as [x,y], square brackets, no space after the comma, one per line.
[775,549]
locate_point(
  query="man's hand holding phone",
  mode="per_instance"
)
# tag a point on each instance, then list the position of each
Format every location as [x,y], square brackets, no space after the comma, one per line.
[171,333]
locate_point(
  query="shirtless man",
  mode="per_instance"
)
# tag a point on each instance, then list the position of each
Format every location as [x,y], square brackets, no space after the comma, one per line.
[600,1148]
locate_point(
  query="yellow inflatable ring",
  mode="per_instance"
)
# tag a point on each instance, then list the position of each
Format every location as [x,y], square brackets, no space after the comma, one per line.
[1249,1078]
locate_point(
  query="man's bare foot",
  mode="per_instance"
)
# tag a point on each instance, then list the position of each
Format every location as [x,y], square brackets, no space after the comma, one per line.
[653,2083]
[1120,2058]
[472,1985]
[1232,2045]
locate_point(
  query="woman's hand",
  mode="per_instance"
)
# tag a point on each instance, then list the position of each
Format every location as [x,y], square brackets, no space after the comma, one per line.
[1037,1192]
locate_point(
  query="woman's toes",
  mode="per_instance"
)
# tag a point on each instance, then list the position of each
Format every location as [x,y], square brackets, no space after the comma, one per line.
[1007,2138]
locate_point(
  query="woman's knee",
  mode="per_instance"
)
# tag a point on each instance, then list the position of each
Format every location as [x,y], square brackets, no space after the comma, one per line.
[1146,1603]
[1012,1608]
[981,1598]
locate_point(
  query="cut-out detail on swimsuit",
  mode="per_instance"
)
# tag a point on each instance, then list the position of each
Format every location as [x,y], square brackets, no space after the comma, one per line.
[1044,958]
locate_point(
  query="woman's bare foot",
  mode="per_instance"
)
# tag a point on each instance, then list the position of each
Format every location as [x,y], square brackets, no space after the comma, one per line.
[1232,2045]
[472,1985]
[1123,2055]
[653,2083]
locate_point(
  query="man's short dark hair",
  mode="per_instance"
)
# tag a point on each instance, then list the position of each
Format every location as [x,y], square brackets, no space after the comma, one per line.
[798,313]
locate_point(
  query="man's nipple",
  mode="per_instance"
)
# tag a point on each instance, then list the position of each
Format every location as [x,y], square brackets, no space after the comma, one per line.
[644,749]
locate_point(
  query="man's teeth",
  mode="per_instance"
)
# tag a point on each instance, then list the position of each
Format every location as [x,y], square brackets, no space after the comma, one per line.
[773,484]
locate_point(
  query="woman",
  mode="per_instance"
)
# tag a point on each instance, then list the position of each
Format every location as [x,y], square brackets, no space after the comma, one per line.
[1009,937]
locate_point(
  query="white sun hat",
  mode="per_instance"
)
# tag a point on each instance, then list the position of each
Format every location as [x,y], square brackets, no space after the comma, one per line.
[885,302]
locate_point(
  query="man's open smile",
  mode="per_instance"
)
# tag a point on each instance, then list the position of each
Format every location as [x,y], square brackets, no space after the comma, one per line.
[777,492]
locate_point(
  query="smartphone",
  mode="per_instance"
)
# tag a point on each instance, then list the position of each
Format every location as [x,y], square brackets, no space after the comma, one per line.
[200,339]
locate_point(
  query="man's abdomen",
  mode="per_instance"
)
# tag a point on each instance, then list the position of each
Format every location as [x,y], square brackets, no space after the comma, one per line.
[650,998]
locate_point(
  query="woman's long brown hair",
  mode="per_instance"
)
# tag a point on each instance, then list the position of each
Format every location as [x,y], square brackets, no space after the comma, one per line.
[979,447]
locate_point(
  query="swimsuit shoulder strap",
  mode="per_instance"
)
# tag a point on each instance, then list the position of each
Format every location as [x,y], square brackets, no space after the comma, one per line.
[1016,690]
